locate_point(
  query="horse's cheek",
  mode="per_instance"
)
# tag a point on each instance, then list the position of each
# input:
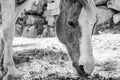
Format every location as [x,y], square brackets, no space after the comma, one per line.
[60,30]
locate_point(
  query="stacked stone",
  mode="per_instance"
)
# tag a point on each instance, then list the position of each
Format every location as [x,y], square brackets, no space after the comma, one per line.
[107,10]
[31,23]
[108,14]
[40,20]
[51,14]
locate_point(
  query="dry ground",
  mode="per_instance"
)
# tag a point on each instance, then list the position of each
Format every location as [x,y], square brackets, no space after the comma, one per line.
[47,59]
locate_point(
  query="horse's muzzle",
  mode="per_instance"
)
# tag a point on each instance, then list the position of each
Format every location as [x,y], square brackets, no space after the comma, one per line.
[80,70]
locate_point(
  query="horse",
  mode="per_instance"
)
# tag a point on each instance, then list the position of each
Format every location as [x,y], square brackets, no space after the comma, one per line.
[74,28]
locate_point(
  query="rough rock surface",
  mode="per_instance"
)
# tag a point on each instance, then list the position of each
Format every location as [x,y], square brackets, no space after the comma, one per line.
[35,17]
[46,11]
[114,4]
[47,15]
[29,31]
[116,18]
[53,8]
[100,2]
[104,14]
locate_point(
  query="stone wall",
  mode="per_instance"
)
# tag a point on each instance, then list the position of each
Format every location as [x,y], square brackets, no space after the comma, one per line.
[108,15]
[31,23]
[40,20]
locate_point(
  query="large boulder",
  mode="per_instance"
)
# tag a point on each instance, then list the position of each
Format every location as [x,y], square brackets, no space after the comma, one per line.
[104,19]
[114,4]
[37,8]
[29,31]
[18,30]
[100,2]
[116,18]
[104,14]
[51,20]
[53,8]
[31,19]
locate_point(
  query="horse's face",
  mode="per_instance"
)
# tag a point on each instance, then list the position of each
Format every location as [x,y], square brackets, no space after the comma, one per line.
[72,9]
[76,35]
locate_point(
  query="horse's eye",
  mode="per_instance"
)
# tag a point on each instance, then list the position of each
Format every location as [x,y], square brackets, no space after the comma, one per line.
[72,24]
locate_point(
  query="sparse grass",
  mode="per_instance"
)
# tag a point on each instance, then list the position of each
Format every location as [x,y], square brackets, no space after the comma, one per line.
[47,59]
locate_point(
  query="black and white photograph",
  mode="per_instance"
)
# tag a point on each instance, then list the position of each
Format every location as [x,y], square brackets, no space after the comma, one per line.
[59,39]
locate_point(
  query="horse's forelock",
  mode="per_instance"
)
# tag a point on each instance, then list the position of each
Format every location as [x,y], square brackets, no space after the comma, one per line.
[63,3]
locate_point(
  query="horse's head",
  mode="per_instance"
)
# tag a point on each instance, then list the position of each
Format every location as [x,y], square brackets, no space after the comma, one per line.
[76,35]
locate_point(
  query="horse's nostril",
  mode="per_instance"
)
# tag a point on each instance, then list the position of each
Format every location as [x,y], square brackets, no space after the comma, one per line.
[71,23]
[81,67]
[80,70]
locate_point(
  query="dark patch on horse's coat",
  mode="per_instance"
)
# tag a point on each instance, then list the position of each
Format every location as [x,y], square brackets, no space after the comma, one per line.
[69,12]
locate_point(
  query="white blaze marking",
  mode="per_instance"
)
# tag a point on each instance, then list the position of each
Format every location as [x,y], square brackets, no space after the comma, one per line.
[86,57]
